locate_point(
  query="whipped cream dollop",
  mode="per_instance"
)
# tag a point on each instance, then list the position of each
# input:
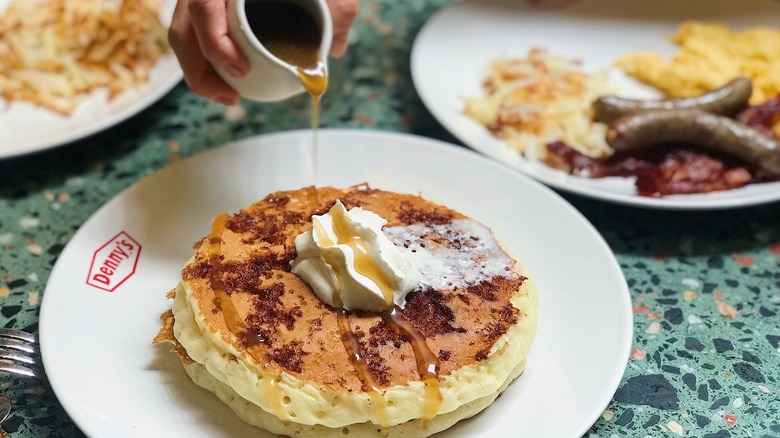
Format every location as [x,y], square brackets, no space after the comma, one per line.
[350,263]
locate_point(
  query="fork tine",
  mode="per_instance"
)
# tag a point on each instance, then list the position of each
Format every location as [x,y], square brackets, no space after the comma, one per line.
[17,344]
[17,334]
[21,370]
[10,355]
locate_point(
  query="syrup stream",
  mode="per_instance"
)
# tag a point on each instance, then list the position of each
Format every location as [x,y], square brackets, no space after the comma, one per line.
[315,81]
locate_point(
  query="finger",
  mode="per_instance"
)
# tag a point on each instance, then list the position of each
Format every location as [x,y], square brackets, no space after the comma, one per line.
[343,13]
[209,19]
[203,80]
[198,74]
[339,45]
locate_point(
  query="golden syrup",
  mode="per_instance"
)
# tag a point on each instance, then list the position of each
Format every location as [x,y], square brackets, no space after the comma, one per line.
[427,362]
[352,346]
[336,272]
[315,81]
[322,236]
[288,30]
[233,321]
[274,397]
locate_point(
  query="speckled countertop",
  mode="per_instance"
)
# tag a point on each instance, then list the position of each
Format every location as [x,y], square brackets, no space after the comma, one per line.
[705,286]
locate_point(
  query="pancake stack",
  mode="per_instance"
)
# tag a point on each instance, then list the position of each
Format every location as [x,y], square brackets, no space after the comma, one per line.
[252,332]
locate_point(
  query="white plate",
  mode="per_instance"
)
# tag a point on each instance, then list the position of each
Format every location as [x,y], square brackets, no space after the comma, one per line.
[113,382]
[26,128]
[453,48]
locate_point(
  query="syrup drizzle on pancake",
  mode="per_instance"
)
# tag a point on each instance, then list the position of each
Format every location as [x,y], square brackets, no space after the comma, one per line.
[427,362]
[233,320]
[352,346]
[365,266]
[322,237]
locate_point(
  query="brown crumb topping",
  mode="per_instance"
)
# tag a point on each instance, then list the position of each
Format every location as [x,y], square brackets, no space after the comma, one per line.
[429,313]
[381,334]
[506,314]
[278,201]
[411,215]
[486,291]
[246,273]
[482,354]
[258,227]
[198,269]
[376,365]
[288,356]
[492,331]
[268,314]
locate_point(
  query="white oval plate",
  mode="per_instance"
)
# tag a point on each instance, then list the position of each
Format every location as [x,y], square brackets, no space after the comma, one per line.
[455,45]
[113,382]
[26,128]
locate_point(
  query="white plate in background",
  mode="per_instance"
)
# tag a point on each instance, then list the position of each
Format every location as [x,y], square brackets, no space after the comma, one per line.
[454,47]
[26,128]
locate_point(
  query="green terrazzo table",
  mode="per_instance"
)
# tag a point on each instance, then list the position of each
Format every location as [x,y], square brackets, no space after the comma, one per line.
[705,286]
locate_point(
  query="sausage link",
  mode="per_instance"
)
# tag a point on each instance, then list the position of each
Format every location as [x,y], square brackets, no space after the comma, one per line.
[727,100]
[699,128]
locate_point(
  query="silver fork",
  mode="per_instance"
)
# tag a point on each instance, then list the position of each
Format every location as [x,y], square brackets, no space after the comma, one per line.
[19,353]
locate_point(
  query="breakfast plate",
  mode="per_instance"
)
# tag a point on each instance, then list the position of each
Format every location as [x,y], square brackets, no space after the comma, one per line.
[452,50]
[26,128]
[129,387]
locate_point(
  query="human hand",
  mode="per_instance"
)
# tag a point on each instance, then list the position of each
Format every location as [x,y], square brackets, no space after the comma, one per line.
[343,13]
[199,37]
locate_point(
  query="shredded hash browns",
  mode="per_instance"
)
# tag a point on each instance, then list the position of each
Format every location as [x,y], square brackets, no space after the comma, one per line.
[54,52]
[530,102]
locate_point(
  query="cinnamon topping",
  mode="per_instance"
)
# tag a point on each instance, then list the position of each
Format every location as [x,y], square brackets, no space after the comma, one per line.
[283,319]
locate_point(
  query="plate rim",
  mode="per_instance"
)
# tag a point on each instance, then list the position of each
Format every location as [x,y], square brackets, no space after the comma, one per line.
[674,202]
[622,294]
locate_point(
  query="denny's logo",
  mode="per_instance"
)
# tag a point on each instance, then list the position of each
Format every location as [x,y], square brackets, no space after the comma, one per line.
[114,262]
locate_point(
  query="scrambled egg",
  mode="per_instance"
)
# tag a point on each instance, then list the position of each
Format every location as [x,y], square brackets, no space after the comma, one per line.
[711,55]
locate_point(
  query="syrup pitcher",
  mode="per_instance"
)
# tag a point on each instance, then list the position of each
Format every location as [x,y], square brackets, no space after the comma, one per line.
[286,43]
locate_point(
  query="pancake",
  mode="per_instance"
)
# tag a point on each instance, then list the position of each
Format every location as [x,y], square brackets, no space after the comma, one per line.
[255,334]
